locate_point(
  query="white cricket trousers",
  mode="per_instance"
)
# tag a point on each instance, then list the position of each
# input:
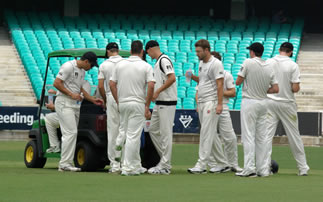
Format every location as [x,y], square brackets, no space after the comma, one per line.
[253,135]
[287,113]
[52,123]
[209,121]
[132,118]
[161,133]
[229,138]
[68,116]
[113,124]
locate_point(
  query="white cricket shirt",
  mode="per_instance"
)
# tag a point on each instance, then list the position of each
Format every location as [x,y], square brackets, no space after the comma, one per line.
[132,76]
[106,69]
[72,76]
[208,74]
[287,73]
[258,77]
[228,83]
[162,69]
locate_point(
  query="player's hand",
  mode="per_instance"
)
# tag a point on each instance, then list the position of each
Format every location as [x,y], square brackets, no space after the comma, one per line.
[50,106]
[76,96]
[51,91]
[98,102]
[188,74]
[147,113]
[155,96]
[219,109]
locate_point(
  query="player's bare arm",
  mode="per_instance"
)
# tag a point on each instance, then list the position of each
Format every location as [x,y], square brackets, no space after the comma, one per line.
[150,92]
[170,80]
[87,96]
[295,87]
[231,92]
[196,99]
[273,89]
[59,85]
[219,107]
[239,80]
[113,88]
[102,90]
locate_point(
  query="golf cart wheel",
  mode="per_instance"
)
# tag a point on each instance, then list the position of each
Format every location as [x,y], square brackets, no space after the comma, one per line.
[31,157]
[86,156]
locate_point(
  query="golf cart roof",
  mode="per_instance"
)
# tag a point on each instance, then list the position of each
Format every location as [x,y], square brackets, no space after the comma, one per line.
[78,52]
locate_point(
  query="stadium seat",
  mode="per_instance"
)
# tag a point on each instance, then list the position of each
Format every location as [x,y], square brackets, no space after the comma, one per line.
[182,82]
[191,92]
[181,91]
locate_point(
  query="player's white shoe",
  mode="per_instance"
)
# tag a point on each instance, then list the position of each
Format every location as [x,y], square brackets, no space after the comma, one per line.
[114,170]
[236,169]
[242,174]
[142,170]
[196,170]
[219,169]
[69,168]
[158,170]
[263,175]
[125,173]
[303,173]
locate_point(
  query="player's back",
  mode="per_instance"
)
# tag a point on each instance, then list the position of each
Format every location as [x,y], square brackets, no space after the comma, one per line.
[258,77]
[132,77]
[106,69]
[287,72]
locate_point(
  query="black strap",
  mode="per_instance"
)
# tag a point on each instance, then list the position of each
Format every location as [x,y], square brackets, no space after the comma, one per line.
[160,65]
[167,103]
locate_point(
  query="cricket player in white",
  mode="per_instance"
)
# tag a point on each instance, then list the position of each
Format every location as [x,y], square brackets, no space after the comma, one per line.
[113,119]
[128,86]
[226,132]
[52,122]
[162,120]
[258,79]
[210,97]
[69,85]
[282,106]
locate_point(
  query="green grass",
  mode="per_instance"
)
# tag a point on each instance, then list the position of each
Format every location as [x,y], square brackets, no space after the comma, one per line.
[18,183]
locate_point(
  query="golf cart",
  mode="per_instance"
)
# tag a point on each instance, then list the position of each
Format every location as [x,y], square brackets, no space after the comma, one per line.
[91,145]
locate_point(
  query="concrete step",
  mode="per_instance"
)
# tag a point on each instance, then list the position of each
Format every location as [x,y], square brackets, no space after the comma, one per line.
[310,54]
[16,89]
[309,103]
[309,108]
[21,100]
[316,63]
[17,76]
[310,80]
[309,96]
[14,92]
[15,68]
[310,61]
[19,80]
[309,90]
[311,70]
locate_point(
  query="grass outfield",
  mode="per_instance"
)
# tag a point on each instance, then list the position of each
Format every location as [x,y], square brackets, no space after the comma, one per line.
[18,183]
